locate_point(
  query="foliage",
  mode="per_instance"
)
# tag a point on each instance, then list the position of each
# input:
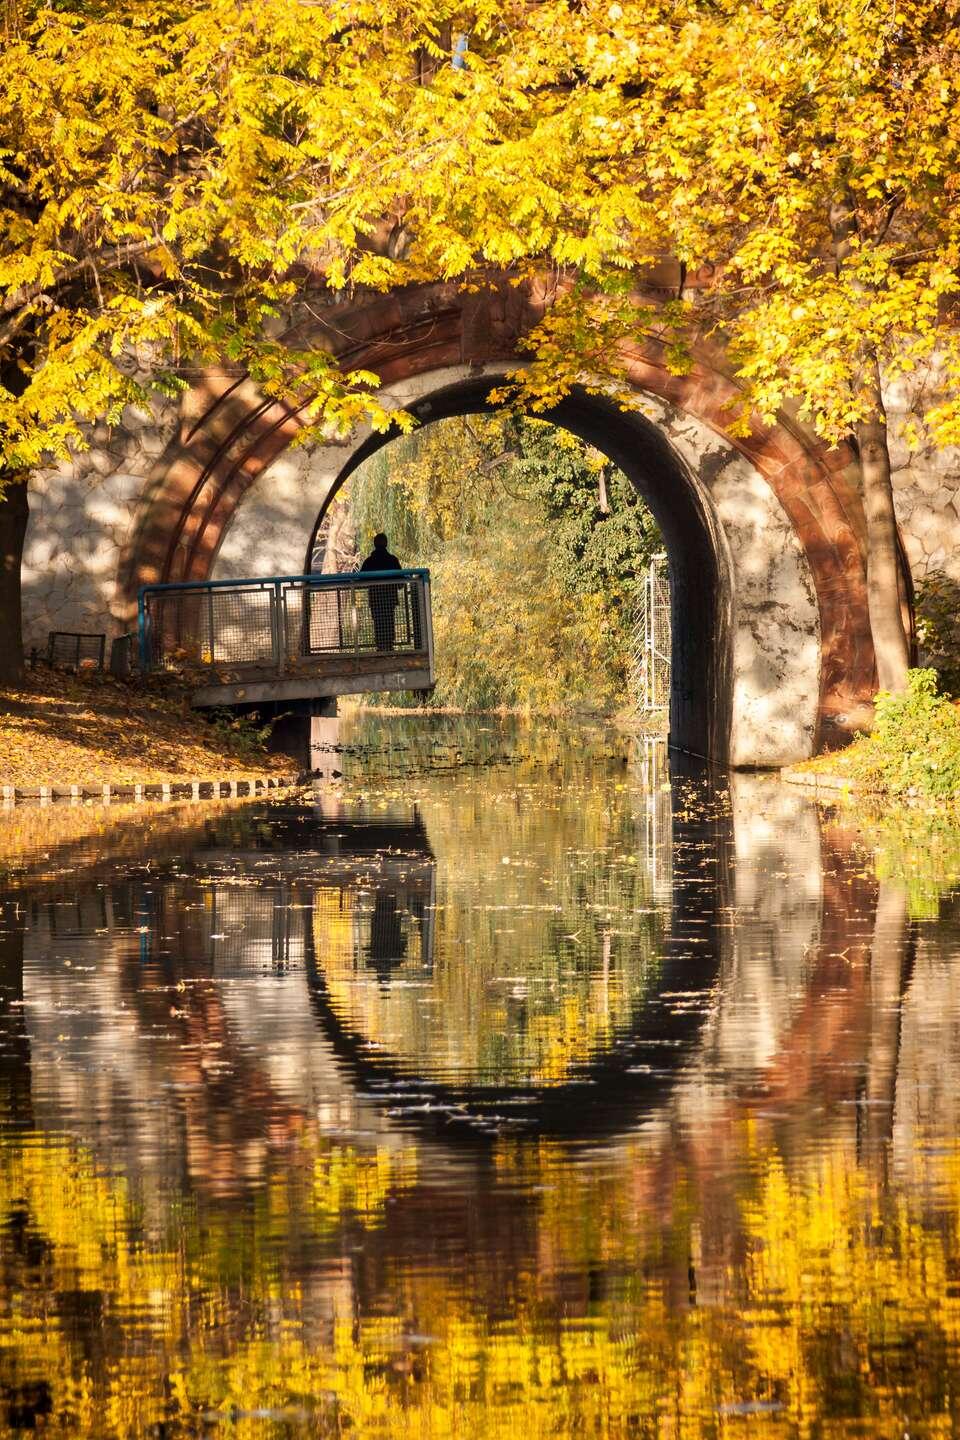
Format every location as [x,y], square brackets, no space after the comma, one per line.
[158,181]
[241,733]
[915,745]
[917,850]
[166,166]
[508,633]
[938,627]
[797,160]
[601,535]
[532,573]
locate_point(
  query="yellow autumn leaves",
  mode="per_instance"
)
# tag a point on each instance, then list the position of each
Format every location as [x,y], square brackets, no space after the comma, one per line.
[166,165]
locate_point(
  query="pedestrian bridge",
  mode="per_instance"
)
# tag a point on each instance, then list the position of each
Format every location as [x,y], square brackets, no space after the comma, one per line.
[291,637]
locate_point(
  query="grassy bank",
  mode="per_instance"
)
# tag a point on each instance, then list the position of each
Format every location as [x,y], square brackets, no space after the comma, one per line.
[912,754]
[63,729]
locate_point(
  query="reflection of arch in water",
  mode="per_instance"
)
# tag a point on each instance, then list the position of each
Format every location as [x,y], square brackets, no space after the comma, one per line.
[605,1094]
[387,864]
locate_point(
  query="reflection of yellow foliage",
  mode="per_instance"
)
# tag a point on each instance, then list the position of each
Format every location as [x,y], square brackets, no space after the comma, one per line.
[86,1217]
[835,1276]
[345,1181]
[571,1036]
[918,850]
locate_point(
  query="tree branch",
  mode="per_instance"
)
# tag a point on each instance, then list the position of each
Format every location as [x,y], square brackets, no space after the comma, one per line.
[20,320]
[111,255]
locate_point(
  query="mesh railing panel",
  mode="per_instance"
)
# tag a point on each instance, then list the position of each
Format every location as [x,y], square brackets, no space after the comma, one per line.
[244,626]
[71,649]
[279,624]
[206,627]
[379,616]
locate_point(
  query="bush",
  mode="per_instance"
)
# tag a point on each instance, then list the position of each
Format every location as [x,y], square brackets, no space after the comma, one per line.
[937,602]
[915,746]
[242,734]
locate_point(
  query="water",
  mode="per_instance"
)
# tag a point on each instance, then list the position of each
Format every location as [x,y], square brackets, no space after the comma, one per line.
[516,1092]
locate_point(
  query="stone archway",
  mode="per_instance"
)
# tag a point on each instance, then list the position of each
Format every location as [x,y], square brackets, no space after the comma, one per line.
[765,532]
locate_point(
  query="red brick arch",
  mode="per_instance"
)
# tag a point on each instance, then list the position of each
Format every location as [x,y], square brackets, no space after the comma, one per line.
[229,434]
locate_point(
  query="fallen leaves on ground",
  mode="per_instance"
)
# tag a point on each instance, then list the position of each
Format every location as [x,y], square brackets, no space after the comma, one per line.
[64,729]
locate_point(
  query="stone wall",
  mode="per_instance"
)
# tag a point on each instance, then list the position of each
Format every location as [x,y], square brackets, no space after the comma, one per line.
[775,623]
[82,514]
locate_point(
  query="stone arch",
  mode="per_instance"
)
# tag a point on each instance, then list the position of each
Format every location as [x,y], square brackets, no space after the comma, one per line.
[230,435]
[701,579]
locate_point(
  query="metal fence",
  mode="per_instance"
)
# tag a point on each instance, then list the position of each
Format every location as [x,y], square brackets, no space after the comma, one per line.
[651,647]
[286,625]
[73,649]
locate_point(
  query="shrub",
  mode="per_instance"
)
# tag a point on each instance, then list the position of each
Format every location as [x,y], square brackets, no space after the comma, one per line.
[937,602]
[916,740]
[242,734]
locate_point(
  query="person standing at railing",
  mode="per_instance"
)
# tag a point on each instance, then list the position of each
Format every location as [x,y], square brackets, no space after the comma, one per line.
[382,595]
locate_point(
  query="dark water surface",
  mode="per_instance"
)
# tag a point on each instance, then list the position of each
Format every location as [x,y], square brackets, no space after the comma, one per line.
[517,1092]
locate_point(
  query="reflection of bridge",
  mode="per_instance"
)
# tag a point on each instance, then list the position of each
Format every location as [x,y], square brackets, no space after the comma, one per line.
[291,909]
[270,928]
[352,903]
[291,638]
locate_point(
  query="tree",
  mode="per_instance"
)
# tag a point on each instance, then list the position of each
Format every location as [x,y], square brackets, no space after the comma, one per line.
[175,172]
[798,158]
[809,152]
[534,542]
[160,165]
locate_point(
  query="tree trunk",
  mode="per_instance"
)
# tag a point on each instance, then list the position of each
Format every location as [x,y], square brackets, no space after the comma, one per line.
[16,1103]
[890,642]
[891,968]
[13,529]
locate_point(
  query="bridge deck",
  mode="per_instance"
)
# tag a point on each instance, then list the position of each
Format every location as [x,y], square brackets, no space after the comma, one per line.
[283,638]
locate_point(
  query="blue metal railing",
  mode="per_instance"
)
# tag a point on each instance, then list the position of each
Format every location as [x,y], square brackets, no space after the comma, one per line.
[287,625]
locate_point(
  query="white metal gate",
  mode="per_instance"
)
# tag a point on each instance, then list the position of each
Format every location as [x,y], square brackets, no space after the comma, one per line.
[651,642]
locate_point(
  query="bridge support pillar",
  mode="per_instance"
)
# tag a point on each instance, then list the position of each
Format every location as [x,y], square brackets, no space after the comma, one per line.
[306,730]
[325,759]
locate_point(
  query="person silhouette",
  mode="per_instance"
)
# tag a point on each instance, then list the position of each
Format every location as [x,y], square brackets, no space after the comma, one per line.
[388,944]
[382,595]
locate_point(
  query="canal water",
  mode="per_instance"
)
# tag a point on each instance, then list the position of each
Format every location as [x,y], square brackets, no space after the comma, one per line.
[519,1089]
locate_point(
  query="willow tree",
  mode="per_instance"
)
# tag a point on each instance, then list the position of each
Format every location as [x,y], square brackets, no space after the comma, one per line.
[477,497]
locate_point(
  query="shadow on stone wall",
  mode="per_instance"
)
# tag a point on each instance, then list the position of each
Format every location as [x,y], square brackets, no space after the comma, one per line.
[937,601]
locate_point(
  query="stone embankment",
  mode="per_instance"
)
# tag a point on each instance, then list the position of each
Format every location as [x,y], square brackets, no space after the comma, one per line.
[160,790]
[831,783]
[84,737]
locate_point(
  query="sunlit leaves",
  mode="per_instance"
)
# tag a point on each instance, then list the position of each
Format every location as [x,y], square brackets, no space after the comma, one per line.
[472,497]
[229,143]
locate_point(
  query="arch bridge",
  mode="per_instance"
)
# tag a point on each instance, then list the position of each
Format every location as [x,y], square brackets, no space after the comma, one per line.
[290,638]
[772,655]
